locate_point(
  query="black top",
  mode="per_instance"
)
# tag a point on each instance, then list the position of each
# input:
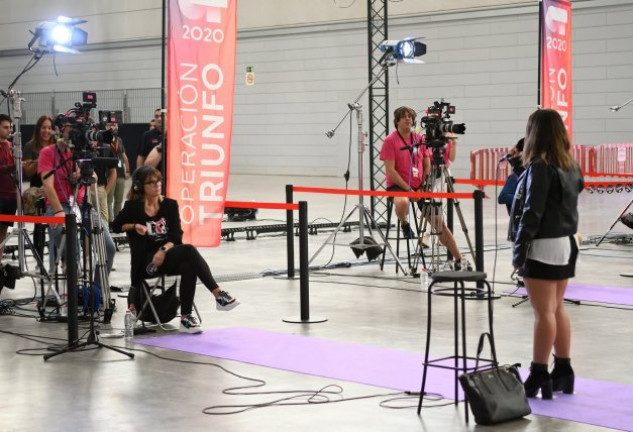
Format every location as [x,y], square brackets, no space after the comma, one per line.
[150,139]
[103,167]
[163,227]
[28,152]
[549,207]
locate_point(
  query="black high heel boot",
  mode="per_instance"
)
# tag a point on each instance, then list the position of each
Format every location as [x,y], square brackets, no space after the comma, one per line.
[539,379]
[562,376]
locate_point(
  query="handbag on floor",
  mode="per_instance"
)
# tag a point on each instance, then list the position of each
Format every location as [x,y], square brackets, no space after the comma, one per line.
[495,394]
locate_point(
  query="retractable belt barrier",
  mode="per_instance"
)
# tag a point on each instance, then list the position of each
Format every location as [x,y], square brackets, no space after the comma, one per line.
[477,195]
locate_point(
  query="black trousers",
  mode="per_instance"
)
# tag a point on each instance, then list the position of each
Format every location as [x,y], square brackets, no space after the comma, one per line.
[185,261]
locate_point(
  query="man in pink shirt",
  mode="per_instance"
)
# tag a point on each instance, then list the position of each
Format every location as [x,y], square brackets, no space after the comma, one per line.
[59,179]
[407,160]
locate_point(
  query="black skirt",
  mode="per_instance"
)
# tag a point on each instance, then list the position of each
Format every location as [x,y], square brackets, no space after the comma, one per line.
[539,270]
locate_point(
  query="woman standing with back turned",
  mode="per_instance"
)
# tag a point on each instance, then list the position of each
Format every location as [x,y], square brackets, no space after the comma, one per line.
[543,221]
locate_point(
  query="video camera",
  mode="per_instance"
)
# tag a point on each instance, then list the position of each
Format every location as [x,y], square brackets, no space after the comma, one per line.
[437,122]
[85,138]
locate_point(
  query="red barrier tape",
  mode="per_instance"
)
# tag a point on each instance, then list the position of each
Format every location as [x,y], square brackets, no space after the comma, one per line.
[261,205]
[55,220]
[383,193]
[479,182]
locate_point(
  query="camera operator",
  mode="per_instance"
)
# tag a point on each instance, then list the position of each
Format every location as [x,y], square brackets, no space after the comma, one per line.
[60,177]
[506,196]
[115,196]
[106,180]
[405,164]
[150,139]
[8,190]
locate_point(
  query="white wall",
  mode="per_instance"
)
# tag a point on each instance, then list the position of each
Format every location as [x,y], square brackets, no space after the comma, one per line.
[482,58]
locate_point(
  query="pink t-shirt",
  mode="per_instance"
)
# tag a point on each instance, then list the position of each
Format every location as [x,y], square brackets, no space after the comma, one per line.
[405,161]
[50,158]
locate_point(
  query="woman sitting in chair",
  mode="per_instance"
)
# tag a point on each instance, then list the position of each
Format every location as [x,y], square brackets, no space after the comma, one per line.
[152,223]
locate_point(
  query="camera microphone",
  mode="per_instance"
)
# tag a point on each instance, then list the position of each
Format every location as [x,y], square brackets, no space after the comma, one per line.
[506,157]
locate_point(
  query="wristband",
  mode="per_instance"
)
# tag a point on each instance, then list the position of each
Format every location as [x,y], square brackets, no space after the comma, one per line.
[60,211]
[163,248]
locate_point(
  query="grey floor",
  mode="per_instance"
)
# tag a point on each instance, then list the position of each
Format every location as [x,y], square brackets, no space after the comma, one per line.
[100,390]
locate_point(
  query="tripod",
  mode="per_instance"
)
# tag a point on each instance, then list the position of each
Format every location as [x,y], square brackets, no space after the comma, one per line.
[615,222]
[92,240]
[431,210]
[365,218]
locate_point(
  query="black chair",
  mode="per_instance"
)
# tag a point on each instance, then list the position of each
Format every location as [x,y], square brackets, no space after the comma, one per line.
[398,234]
[460,294]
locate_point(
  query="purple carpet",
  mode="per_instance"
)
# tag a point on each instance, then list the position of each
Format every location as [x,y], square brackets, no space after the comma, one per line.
[595,402]
[592,293]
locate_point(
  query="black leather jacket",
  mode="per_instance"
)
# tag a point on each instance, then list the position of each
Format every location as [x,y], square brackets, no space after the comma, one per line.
[550,207]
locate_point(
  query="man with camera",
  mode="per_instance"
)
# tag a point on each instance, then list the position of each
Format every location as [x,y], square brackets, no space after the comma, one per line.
[8,190]
[62,188]
[407,161]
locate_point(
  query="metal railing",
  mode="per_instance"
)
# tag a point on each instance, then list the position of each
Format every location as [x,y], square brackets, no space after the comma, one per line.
[138,105]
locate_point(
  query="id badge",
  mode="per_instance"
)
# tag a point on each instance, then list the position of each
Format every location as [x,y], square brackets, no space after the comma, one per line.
[416,172]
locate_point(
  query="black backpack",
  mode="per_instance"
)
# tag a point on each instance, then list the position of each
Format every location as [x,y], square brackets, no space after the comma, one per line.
[166,303]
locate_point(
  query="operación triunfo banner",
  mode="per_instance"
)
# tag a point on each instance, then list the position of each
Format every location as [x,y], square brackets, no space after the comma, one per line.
[201,76]
[555,27]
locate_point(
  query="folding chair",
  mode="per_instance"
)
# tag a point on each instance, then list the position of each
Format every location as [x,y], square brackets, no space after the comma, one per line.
[146,292]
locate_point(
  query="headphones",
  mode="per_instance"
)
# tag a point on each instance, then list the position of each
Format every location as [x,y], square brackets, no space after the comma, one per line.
[137,176]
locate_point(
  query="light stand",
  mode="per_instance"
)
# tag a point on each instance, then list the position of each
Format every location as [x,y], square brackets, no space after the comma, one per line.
[619,107]
[364,214]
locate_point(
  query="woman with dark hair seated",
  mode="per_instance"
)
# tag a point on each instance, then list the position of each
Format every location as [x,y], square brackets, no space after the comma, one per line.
[152,223]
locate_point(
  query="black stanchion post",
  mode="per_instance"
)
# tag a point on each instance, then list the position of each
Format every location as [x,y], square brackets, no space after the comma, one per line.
[450,207]
[290,238]
[304,270]
[478,195]
[71,278]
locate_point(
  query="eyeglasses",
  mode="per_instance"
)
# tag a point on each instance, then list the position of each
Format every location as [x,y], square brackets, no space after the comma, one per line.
[154,183]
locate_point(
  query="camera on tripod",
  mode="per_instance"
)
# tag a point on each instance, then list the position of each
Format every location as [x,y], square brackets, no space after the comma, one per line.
[86,140]
[437,122]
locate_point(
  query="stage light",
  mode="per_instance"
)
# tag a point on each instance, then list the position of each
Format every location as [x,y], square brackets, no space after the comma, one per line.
[405,50]
[61,35]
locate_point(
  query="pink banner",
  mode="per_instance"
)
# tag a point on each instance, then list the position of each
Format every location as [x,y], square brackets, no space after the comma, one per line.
[555,27]
[201,78]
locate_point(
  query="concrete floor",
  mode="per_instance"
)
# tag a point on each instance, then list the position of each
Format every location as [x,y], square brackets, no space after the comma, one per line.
[100,390]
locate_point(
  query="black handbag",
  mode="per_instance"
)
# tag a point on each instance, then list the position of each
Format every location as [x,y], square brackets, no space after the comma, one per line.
[495,394]
[165,303]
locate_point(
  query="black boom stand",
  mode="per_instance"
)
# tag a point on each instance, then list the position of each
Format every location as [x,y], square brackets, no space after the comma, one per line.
[89,236]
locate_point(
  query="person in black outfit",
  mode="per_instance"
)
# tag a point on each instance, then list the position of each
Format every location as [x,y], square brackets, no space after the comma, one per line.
[150,139]
[543,224]
[152,223]
[506,196]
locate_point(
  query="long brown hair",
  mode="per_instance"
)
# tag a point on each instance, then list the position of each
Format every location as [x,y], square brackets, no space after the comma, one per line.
[546,138]
[141,176]
[37,136]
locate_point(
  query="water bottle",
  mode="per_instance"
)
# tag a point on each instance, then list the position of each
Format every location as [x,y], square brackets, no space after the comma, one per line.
[424,280]
[133,312]
[151,269]
[129,325]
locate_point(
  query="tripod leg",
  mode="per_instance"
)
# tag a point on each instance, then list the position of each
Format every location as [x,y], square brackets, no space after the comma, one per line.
[369,221]
[338,228]
[615,222]
[451,188]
